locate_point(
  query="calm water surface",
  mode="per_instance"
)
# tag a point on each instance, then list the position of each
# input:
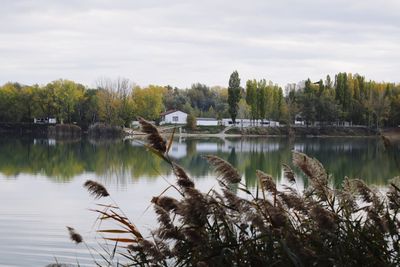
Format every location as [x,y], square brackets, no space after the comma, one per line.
[41,182]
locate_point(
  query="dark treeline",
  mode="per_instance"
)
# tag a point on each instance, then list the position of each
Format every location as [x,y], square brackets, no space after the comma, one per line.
[346,98]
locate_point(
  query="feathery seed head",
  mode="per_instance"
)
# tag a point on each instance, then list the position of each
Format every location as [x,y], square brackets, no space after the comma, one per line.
[77,238]
[96,189]
[153,136]
[224,169]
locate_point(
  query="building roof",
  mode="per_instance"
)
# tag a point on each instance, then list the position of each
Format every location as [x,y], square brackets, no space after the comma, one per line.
[171,111]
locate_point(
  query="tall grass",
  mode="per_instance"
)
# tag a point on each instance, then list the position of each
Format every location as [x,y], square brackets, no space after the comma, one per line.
[353,225]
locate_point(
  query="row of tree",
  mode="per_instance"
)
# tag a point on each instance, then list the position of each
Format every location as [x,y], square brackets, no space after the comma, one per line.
[347,98]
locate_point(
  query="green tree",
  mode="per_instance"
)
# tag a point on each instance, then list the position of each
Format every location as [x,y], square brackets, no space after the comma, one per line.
[234,95]
[147,102]
[251,98]
[243,109]
[262,99]
[191,122]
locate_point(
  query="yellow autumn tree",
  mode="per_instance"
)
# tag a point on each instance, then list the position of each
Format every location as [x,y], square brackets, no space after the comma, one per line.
[147,102]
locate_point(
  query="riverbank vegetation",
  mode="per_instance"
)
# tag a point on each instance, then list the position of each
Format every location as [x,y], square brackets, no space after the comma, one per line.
[233,225]
[345,98]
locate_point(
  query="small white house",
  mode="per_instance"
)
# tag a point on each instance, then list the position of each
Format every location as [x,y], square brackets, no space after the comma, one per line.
[173,116]
[206,122]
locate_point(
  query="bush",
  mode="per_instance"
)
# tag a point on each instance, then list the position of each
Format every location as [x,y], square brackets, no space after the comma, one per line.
[321,226]
[191,122]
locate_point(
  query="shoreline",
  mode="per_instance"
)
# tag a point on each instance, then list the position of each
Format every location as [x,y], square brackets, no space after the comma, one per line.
[42,131]
[205,135]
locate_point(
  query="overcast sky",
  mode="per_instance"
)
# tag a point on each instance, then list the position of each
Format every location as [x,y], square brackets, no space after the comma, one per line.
[182,42]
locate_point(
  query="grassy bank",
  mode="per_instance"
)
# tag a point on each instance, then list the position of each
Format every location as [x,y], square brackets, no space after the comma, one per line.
[303,131]
[41,130]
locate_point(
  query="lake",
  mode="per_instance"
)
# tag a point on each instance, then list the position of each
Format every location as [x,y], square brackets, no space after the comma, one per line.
[41,182]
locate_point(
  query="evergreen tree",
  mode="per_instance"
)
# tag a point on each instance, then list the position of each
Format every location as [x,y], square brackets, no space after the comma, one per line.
[234,95]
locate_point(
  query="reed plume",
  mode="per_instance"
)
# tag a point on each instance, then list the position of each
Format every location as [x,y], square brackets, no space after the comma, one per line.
[288,172]
[96,189]
[310,166]
[293,200]
[77,238]
[267,182]
[153,136]
[167,203]
[394,193]
[183,179]
[224,169]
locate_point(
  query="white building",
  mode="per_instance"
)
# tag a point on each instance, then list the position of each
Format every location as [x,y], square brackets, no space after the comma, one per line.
[206,122]
[173,117]
[250,123]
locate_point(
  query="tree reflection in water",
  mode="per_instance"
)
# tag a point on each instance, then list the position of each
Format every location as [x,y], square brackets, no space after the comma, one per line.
[61,161]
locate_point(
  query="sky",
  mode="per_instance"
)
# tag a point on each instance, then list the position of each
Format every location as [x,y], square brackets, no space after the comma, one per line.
[181,42]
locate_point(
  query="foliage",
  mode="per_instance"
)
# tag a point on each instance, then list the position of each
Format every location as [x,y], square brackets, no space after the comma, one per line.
[346,98]
[234,95]
[191,122]
[148,102]
[323,226]
[351,99]
[266,101]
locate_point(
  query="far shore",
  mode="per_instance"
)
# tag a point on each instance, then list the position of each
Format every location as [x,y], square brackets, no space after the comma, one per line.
[274,132]
[204,135]
[391,134]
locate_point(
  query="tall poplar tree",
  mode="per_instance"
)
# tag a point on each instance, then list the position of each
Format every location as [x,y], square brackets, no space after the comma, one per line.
[234,95]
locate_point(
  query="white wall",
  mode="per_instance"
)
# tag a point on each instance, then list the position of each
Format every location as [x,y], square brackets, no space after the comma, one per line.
[177,117]
[201,122]
[249,123]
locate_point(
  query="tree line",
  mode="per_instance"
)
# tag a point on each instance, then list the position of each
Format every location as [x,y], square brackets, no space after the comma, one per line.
[346,98]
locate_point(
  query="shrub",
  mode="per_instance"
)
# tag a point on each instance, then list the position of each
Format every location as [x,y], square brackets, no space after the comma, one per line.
[191,122]
[353,225]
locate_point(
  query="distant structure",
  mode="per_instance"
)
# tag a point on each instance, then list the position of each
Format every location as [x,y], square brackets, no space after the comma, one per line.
[47,120]
[173,116]
[207,122]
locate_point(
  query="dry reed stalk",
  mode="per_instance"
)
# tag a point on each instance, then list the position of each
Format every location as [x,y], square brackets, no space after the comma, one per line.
[293,200]
[267,182]
[224,169]
[310,166]
[75,236]
[153,136]
[167,203]
[183,179]
[288,172]
[96,189]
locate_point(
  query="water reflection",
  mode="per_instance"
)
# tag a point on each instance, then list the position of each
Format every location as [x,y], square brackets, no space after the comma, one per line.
[121,161]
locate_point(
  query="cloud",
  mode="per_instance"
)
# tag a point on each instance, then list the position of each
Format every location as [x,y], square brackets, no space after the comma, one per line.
[183,42]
